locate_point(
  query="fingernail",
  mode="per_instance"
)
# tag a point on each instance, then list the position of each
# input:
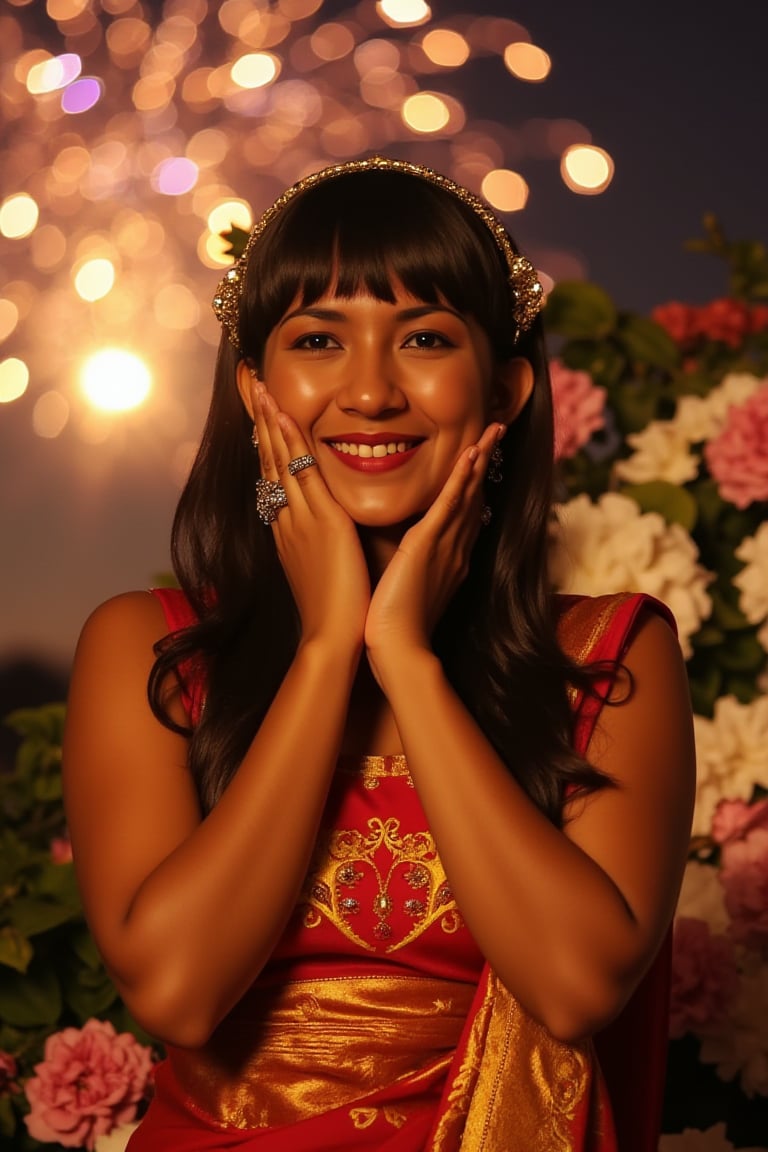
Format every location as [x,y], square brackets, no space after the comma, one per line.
[500,430]
[474,452]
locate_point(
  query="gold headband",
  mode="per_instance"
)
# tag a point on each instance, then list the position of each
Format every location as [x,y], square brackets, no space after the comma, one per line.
[527,292]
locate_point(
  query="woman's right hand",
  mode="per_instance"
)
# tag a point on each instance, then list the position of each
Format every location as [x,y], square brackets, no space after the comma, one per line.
[316,540]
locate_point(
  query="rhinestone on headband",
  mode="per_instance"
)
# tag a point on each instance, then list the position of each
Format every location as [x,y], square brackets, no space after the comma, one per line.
[527,292]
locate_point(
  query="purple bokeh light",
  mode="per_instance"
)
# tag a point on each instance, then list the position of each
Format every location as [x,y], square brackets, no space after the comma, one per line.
[81,95]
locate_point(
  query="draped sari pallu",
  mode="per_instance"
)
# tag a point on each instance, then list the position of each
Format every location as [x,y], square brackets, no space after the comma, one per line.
[328,1062]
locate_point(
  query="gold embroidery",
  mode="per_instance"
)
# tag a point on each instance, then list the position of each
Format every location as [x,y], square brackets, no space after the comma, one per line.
[346,859]
[373,769]
[363,1117]
[395,1118]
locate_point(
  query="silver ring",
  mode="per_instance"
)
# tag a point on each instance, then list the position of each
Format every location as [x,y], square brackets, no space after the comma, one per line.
[270,498]
[299,463]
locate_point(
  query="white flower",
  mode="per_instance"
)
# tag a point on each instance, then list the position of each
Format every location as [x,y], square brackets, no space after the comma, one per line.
[742,1047]
[731,755]
[116,1140]
[662,452]
[702,897]
[752,581]
[699,418]
[611,546]
[693,1140]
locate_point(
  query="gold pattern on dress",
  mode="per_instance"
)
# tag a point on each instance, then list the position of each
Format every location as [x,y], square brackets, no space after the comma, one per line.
[345,859]
[363,1117]
[373,769]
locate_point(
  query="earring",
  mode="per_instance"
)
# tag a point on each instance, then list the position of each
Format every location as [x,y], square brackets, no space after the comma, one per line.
[485,516]
[494,473]
[254,438]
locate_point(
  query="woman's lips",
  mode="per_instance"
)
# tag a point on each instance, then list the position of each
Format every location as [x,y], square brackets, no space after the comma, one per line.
[373,454]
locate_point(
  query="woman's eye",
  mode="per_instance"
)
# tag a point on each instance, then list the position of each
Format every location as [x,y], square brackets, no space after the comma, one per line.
[427,340]
[316,342]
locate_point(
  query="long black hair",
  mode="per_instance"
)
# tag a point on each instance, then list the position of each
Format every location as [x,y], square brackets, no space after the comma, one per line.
[360,231]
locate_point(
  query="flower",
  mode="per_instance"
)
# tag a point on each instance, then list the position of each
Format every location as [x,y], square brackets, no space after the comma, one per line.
[738,457]
[734,819]
[727,321]
[704,978]
[90,1080]
[697,1140]
[579,408]
[730,755]
[701,896]
[8,1072]
[610,546]
[662,452]
[744,876]
[752,581]
[679,320]
[61,850]
[741,1048]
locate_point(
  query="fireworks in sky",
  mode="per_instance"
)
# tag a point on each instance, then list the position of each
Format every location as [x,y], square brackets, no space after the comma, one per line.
[134,134]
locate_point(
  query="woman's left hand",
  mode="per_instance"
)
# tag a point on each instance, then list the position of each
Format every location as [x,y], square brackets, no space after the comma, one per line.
[431,562]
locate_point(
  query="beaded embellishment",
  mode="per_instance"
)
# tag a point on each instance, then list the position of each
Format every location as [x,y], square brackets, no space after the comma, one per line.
[527,292]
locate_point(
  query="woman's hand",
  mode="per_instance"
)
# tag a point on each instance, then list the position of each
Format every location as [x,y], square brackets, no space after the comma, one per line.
[316,540]
[430,563]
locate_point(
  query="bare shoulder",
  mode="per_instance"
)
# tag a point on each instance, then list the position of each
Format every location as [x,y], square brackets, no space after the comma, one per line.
[136,614]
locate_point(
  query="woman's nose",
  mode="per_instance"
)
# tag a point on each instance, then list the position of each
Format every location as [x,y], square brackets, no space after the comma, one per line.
[371,386]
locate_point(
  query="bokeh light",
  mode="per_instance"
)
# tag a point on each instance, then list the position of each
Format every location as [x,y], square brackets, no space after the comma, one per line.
[81,96]
[586,169]
[18,216]
[114,380]
[507,191]
[14,378]
[404,13]
[94,279]
[50,415]
[447,48]
[527,61]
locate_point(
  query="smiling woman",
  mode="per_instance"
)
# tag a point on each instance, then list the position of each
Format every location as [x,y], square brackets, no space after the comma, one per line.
[361,813]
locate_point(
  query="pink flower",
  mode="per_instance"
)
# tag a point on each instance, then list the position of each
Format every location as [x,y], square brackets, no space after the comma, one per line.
[680,321]
[738,456]
[579,408]
[734,818]
[61,850]
[728,321]
[90,1081]
[8,1073]
[704,978]
[744,876]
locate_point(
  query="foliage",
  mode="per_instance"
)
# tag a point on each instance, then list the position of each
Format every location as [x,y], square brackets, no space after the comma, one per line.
[51,976]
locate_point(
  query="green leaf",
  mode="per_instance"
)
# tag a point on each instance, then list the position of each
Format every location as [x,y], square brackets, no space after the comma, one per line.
[726,616]
[57,881]
[7,1118]
[647,342]
[708,637]
[89,992]
[31,917]
[84,947]
[743,653]
[635,405]
[15,950]
[32,1000]
[237,238]
[579,310]
[675,504]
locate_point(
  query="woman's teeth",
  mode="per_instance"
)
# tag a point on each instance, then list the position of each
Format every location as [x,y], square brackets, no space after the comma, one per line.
[371,450]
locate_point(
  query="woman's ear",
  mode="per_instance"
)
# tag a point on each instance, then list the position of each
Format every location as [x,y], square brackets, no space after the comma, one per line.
[246,375]
[512,385]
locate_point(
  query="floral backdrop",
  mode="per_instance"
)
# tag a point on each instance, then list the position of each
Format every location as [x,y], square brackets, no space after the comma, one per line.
[662,437]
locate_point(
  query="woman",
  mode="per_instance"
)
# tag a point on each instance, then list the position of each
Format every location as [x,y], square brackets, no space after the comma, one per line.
[394,832]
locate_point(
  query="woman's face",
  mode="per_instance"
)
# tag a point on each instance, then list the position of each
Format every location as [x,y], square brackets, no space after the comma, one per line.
[386,395]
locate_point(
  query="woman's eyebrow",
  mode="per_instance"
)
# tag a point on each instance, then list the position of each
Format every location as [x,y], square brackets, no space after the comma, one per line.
[334,314]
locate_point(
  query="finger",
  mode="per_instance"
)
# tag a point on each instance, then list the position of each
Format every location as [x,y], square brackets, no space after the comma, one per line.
[308,481]
[266,448]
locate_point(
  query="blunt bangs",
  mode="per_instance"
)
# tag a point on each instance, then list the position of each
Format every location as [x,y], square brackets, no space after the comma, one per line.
[360,233]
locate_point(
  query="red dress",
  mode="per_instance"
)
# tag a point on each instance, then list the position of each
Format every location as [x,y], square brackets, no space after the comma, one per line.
[377,1024]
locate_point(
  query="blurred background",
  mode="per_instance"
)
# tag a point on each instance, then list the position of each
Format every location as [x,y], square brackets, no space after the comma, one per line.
[133,133]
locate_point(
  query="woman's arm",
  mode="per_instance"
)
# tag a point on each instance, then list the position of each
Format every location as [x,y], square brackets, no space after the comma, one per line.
[569,920]
[186,911]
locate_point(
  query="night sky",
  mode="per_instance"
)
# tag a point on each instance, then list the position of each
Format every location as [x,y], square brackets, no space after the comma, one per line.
[673,91]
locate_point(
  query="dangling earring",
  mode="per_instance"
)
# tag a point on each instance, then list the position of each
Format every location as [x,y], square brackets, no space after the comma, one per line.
[494,473]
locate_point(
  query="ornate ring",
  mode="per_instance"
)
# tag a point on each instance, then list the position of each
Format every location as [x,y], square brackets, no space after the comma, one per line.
[270,498]
[485,516]
[299,463]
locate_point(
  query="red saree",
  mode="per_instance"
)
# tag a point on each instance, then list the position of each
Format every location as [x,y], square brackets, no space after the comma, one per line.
[377,1025]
